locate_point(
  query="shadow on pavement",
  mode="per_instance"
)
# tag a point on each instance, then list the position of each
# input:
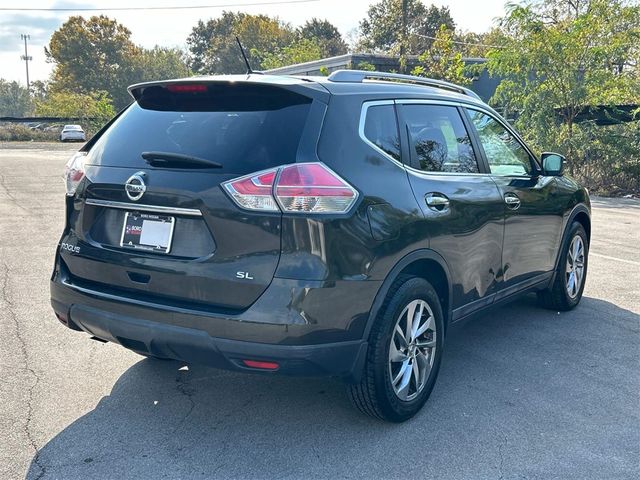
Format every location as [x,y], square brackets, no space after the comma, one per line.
[523,392]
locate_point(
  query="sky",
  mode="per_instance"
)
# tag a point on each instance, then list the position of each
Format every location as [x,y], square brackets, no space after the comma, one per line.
[170,28]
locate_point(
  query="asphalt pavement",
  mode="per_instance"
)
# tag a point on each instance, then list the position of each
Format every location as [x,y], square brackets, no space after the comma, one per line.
[523,393]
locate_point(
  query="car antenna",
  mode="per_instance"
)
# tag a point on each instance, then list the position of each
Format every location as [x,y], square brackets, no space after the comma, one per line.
[244,56]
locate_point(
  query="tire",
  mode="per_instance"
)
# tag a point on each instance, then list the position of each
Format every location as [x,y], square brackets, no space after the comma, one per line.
[560,295]
[375,394]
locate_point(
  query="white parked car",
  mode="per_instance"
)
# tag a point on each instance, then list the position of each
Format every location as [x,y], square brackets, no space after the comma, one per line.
[72,133]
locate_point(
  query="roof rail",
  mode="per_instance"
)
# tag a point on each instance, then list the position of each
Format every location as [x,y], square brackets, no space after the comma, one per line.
[358,76]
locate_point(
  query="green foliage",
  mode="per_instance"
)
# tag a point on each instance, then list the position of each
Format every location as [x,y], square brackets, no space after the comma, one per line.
[14,99]
[213,48]
[559,57]
[93,55]
[93,109]
[324,71]
[441,61]
[302,50]
[366,66]
[98,55]
[326,35]
[382,29]
[269,43]
[160,63]
[477,45]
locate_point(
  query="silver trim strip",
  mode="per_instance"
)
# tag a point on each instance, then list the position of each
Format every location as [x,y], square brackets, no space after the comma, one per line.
[144,208]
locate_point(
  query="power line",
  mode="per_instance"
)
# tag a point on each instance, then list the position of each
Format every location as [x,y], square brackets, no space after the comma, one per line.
[461,43]
[181,7]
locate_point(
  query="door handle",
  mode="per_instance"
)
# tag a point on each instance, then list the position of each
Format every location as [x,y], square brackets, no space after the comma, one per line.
[512,200]
[437,201]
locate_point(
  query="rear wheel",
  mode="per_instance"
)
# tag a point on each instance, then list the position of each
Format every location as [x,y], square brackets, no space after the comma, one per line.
[568,285]
[405,347]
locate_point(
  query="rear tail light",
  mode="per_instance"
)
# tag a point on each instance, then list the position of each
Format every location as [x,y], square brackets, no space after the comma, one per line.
[74,172]
[253,191]
[300,187]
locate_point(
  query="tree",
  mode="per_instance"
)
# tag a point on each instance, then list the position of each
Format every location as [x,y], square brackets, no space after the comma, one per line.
[98,55]
[213,48]
[326,35]
[160,63]
[558,61]
[39,89]
[14,99]
[441,61]
[93,55]
[94,109]
[382,29]
[471,44]
[302,50]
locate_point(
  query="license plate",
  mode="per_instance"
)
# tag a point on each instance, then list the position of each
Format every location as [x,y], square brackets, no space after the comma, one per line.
[148,232]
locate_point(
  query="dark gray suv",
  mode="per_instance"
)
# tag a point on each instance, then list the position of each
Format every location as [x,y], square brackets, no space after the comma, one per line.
[312,226]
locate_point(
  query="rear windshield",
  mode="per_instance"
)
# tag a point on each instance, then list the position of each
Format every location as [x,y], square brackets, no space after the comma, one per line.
[245,129]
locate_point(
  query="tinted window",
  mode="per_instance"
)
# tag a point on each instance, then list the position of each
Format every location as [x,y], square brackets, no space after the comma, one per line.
[439,139]
[245,131]
[505,154]
[381,129]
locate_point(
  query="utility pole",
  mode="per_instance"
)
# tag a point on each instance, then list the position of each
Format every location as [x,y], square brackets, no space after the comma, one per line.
[403,41]
[26,57]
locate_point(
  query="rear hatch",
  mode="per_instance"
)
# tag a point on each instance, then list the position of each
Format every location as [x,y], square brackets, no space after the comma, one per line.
[174,235]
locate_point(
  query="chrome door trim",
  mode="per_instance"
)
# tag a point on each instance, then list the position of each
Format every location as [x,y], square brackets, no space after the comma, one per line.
[406,167]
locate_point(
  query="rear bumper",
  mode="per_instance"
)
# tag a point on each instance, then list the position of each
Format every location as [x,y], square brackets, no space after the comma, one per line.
[196,346]
[333,347]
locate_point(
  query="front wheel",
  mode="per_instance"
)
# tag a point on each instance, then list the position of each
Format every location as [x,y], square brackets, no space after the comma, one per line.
[571,274]
[405,348]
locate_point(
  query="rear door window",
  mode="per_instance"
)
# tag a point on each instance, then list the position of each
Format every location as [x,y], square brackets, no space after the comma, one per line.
[245,128]
[438,139]
[381,129]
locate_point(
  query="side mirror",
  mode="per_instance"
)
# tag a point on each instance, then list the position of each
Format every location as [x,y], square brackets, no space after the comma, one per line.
[552,164]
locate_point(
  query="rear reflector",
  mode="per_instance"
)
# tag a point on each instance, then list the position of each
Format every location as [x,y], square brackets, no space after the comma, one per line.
[300,187]
[187,88]
[261,365]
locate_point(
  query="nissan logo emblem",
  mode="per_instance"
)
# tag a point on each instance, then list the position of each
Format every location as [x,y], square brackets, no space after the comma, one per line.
[135,186]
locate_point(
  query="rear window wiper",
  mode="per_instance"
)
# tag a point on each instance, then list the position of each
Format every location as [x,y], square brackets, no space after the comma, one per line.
[177,160]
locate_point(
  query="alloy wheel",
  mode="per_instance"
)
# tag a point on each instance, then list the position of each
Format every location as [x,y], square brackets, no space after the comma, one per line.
[412,350]
[575,266]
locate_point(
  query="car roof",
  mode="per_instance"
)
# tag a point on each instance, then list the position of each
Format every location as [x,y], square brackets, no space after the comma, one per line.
[373,87]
